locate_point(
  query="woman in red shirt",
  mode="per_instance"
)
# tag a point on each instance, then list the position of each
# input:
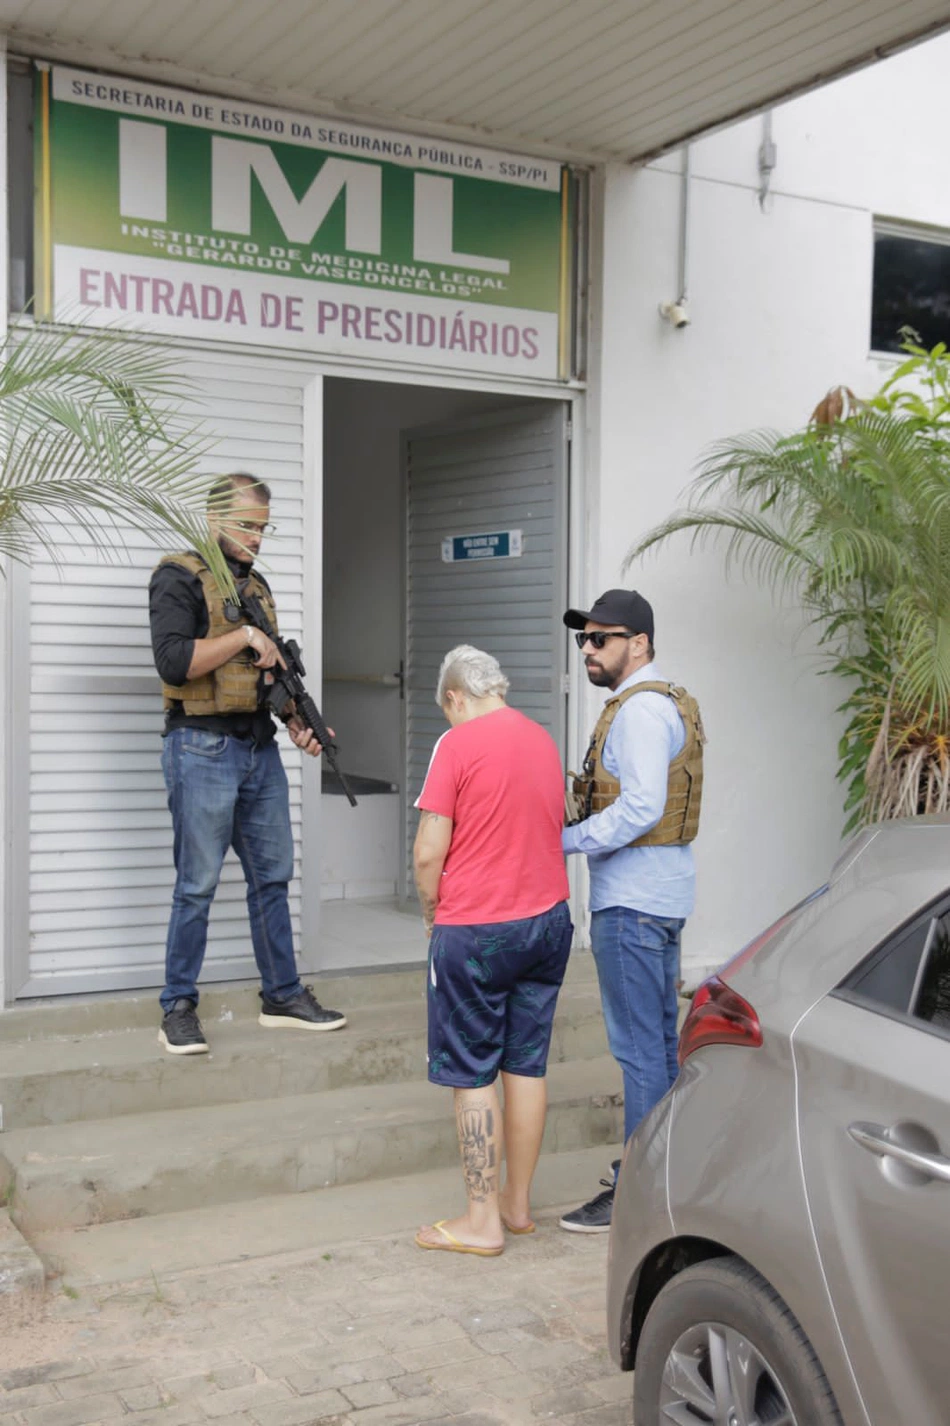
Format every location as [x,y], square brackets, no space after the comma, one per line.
[493,889]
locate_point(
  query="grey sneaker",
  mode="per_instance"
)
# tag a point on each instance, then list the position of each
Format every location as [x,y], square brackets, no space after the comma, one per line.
[181,1031]
[594,1217]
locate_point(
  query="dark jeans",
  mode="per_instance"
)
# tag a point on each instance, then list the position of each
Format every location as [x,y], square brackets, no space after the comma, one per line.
[227,792]
[637,959]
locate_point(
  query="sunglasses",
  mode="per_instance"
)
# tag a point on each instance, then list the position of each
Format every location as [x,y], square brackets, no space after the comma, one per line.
[597,638]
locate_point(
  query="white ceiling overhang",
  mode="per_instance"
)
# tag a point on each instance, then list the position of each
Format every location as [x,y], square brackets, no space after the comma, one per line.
[591,79]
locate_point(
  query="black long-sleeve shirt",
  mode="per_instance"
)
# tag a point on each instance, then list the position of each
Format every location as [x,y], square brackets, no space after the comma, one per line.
[178,615]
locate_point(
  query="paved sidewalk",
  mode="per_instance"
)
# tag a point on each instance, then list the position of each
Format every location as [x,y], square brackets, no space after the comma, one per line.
[373,1333]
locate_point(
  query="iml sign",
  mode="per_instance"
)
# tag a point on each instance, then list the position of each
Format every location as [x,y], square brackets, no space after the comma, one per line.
[143,196]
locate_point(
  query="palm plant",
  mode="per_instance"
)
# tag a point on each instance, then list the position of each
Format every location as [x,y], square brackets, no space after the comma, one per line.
[92,442]
[851,517]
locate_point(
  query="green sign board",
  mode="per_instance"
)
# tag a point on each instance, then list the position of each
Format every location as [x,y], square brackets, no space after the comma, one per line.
[181,213]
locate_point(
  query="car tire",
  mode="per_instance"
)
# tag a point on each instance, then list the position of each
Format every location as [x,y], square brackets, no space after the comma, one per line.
[722,1309]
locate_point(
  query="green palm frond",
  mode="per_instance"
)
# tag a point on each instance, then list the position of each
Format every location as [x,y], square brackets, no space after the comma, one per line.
[755,545]
[850,517]
[94,440]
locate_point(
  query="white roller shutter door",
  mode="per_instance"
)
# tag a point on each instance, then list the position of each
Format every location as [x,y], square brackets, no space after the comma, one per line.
[100,832]
[491,474]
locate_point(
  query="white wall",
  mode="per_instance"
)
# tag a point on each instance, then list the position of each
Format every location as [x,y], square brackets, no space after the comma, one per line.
[874,141]
[780,306]
[8,921]
[6,829]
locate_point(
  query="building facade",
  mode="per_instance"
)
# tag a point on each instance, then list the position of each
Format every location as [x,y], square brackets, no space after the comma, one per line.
[449,363]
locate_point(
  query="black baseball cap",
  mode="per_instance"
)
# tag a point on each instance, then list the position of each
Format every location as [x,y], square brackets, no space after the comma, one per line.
[617,606]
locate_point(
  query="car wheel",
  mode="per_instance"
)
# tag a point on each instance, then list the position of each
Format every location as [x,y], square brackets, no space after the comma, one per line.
[720,1346]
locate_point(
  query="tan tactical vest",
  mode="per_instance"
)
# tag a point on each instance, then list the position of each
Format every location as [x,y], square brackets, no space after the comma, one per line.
[596,789]
[232,688]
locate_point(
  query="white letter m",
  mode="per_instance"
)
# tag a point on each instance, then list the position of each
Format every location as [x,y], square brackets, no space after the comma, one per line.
[233,162]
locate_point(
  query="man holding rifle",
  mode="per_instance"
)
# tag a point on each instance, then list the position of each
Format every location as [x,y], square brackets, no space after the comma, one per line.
[226,783]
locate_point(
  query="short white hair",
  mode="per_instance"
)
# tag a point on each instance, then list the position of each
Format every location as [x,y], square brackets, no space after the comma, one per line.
[472,671]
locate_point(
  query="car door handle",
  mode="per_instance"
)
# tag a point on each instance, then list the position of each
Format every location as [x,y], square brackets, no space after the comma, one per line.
[874,1137]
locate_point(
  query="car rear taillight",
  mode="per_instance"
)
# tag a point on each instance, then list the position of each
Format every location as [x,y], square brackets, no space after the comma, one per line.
[718,1016]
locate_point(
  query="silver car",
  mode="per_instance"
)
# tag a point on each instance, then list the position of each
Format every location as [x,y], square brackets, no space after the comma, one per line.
[780,1246]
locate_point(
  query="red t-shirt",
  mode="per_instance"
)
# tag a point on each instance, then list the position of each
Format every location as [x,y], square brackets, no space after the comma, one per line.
[499,778]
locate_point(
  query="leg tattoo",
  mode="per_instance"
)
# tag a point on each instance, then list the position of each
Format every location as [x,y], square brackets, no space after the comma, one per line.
[476,1126]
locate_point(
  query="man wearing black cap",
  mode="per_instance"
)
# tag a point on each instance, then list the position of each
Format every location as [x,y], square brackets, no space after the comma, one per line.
[637,811]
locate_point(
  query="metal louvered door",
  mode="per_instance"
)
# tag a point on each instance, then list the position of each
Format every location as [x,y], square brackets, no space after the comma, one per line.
[100,852]
[486,565]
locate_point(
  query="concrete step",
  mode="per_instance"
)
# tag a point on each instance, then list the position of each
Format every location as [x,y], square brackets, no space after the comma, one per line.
[59,1080]
[104,1013]
[68,1016]
[21,1270]
[97,1171]
[311,1223]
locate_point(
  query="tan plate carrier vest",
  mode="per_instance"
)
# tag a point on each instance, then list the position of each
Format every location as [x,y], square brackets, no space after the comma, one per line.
[596,789]
[234,687]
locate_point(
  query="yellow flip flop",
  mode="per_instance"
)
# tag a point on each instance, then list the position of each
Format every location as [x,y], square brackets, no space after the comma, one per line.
[510,1228]
[452,1244]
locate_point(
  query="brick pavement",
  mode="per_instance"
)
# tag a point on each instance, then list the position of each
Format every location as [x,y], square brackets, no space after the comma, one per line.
[374,1333]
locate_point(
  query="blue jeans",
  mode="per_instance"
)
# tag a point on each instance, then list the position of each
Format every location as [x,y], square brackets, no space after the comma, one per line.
[227,792]
[637,958]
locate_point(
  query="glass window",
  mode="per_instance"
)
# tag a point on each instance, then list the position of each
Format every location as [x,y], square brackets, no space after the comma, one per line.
[888,978]
[932,1002]
[911,288]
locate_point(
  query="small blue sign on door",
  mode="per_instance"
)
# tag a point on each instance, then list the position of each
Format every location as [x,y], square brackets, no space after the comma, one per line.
[502,544]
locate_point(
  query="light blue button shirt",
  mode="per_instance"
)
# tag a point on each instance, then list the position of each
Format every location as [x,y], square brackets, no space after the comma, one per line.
[645,736]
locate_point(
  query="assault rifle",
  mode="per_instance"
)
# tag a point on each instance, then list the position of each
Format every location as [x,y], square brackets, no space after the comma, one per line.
[288,688]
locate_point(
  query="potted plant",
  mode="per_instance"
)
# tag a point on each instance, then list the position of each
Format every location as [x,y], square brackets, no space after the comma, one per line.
[851,517]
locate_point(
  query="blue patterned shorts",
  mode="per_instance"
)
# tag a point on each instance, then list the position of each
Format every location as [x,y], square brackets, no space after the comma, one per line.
[492,994]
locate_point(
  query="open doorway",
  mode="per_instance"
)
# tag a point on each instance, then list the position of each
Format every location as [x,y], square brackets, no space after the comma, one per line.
[406,469]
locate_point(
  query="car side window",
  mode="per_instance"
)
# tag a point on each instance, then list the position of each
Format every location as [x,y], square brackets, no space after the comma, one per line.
[888,980]
[932,1001]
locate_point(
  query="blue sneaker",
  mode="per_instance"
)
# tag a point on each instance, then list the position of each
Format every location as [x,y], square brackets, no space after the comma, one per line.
[594,1217]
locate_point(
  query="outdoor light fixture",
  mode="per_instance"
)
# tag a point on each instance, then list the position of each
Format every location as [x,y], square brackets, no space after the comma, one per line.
[676,313]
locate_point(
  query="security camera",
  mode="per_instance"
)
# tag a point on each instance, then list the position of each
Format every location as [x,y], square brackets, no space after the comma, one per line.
[675,313]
